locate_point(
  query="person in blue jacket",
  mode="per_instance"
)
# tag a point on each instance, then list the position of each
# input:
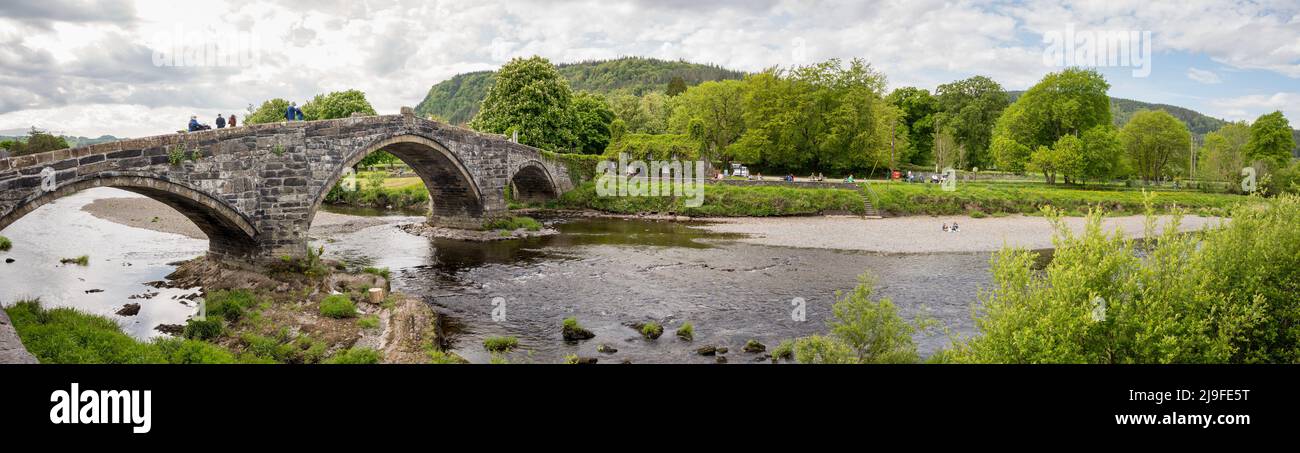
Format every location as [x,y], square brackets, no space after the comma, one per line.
[290,113]
[194,123]
[298,112]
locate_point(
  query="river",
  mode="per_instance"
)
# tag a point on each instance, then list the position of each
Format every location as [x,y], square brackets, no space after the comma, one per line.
[608,273]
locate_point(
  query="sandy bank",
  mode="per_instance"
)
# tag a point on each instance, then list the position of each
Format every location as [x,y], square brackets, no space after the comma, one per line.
[923,234]
[147,213]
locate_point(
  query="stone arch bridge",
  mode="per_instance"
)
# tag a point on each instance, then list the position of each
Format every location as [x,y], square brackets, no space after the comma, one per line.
[254,190]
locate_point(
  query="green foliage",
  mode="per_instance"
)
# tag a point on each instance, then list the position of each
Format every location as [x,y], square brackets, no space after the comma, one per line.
[716,111]
[82,260]
[512,223]
[591,121]
[37,141]
[968,110]
[531,97]
[676,86]
[862,331]
[380,271]
[374,194]
[338,306]
[65,335]
[1224,153]
[190,352]
[646,114]
[378,158]
[271,111]
[500,344]
[655,147]
[5,244]
[368,322]
[355,356]
[1155,141]
[336,104]
[652,330]
[686,332]
[442,358]
[918,109]
[721,200]
[203,329]
[783,350]
[1271,139]
[230,305]
[1225,296]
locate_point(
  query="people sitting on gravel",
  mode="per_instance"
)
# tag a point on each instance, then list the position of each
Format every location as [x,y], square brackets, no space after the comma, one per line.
[945,227]
[955,227]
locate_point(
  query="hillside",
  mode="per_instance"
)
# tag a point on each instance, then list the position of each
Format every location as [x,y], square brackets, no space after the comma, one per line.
[457,99]
[72,141]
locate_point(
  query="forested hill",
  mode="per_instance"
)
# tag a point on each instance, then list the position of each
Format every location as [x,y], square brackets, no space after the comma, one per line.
[457,99]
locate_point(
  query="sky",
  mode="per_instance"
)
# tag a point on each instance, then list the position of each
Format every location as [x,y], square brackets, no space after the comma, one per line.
[138,68]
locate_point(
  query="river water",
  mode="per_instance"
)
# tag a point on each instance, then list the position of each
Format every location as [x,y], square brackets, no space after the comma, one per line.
[607,273]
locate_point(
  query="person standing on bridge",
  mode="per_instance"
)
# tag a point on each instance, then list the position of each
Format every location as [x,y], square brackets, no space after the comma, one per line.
[298,113]
[221,121]
[291,112]
[232,120]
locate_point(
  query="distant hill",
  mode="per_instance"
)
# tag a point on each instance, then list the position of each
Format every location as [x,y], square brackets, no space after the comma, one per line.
[457,99]
[73,141]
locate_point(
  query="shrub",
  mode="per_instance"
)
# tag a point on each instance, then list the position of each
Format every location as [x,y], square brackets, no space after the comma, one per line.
[368,322]
[862,331]
[82,260]
[186,351]
[5,244]
[230,305]
[652,330]
[572,331]
[338,306]
[355,356]
[500,344]
[205,329]
[686,332]
[784,350]
[512,224]
[382,272]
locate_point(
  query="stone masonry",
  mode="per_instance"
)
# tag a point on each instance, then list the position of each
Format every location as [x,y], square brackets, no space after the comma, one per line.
[254,190]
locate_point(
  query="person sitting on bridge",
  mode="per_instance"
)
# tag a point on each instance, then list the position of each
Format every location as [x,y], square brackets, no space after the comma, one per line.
[298,113]
[232,120]
[194,123]
[221,121]
[289,113]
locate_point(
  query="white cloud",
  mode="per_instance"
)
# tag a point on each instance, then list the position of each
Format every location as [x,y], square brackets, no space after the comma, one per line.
[1252,106]
[62,68]
[1203,76]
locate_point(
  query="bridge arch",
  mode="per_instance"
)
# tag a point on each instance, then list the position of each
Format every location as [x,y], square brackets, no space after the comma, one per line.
[454,196]
[230,234]
[531,181]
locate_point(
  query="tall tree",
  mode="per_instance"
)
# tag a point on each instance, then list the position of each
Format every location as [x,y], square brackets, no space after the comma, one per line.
[38,141]
[970,107]
[676,86]
[719,108]
[1224,153]
[269,112]
[591,123]
[918,108]
[529,96]
[1271,140]
[1153,139]
[1062,103]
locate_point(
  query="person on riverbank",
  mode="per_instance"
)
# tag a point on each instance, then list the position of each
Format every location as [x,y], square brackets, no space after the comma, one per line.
[954,227]
[945,227]
[221,121]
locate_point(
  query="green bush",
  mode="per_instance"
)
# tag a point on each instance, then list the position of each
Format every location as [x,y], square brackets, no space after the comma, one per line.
[1226,295]
[205,329]
[862,331]
[355,356]
[512,223]
[5,244]
[338,306]
[500,344]
[652,330]
[784,350]
[65,335]
[686,332]
[186,351]
[368,322]
[382,272]
[230,305]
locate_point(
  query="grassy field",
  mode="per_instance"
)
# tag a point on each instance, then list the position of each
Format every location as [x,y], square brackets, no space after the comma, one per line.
[723,201]
[376,190]
[995,198]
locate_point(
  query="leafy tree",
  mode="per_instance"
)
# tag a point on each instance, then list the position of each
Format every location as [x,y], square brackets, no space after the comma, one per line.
[1271,140]
[1224,153]
[1103,154]
[918,108]
[719,108]
[1064,103]
[529,96]
[337,104]
[655,147]
[970,107]
[1153,139]
[676,86]
[646,114]
[269,112]
[617,129]
[591,123]
[38,141]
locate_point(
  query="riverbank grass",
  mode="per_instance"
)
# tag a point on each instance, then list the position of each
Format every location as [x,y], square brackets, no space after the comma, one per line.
[82,260]
[513,223]
[69,336]
[5,244]
[500,344]
[980,199]
[338,306]
[721,200]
